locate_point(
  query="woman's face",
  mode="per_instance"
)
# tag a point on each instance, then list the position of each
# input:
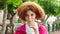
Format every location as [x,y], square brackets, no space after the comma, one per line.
[30,16]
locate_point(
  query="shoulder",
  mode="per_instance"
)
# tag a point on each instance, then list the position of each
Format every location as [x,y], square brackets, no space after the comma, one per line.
[42,29]
[21,27]
[20,30]
[41,26]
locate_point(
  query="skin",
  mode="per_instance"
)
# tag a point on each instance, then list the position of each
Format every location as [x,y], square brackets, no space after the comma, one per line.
[30,18]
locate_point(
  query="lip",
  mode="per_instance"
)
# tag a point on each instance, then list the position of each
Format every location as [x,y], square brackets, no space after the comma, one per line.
[29,21]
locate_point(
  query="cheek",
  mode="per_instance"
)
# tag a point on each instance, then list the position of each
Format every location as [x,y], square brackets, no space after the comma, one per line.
[26,18]
[33,18]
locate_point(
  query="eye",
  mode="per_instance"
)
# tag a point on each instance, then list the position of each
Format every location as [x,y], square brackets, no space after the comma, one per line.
[32,14]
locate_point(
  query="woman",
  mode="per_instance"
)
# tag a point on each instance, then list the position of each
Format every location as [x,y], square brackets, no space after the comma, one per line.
[30,12]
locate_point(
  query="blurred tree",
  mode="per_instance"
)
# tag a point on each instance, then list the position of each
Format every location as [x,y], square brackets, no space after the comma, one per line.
[1,5]
[4,5]
[30,0]
[51,7]
[12,4]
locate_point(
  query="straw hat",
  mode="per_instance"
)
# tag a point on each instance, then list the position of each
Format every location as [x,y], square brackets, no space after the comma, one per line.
[35,7]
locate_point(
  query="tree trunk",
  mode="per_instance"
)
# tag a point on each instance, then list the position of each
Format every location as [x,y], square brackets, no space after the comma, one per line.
[12,25]
[4,16]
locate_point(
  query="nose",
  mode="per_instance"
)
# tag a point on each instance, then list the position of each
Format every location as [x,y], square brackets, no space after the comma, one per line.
[29,18]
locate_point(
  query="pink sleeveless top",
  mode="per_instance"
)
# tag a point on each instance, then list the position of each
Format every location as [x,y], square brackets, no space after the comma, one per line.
[22,29]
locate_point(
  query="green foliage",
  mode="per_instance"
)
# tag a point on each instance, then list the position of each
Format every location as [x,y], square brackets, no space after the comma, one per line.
[35,1]
[16,3]
[13,4]
[10,10]
[9,2]
[1,5]
[30,0]
[51,7]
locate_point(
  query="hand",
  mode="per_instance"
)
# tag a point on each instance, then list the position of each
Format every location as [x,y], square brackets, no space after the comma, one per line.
[35,30]
[33,26]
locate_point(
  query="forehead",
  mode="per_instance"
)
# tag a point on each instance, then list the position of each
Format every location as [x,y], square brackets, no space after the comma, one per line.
[30,12]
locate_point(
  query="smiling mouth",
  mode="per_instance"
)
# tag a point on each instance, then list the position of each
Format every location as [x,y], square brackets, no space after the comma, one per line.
[29,21]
